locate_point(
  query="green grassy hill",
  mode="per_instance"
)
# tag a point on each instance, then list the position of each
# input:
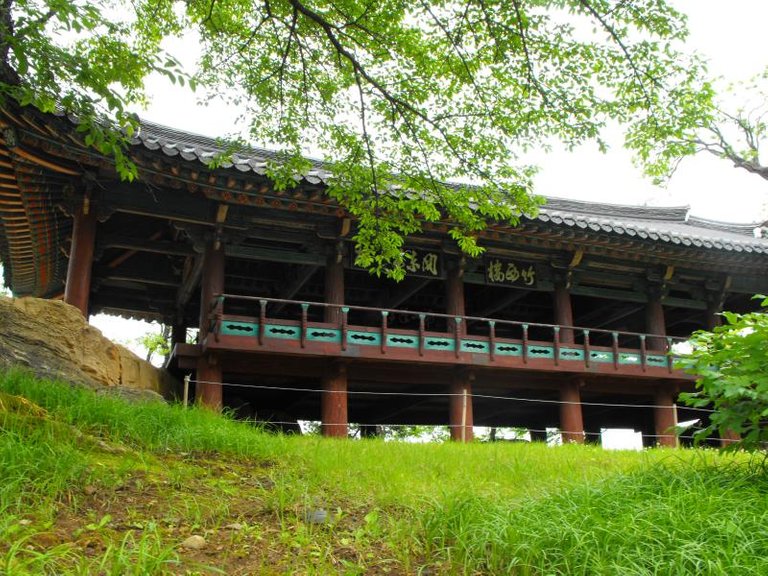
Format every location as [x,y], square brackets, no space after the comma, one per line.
[93,485]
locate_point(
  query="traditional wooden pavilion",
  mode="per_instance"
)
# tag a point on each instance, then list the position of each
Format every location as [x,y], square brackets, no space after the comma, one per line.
[571,313]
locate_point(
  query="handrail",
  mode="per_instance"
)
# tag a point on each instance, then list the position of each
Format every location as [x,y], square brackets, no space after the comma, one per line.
[218,300]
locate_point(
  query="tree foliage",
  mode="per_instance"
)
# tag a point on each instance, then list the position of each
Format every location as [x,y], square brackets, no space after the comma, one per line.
[731,366]
[399,97]
[737,134]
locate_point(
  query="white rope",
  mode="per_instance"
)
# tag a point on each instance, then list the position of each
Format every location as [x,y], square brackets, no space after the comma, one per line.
[446,395]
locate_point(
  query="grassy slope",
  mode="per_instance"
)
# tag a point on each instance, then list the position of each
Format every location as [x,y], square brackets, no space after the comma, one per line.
[95,485]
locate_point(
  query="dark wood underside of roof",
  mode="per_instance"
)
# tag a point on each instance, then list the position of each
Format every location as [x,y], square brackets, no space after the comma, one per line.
[152,231]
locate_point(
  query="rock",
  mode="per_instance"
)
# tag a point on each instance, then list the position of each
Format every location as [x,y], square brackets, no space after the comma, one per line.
[319,516]
[53,340]
[194,542]
[234,526]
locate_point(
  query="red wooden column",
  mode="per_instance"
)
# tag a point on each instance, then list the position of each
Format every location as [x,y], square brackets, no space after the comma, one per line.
[209,374]
[454,296]
[654,321]
[78,287]
[571,420]
[665,412]
[713,317]
[461,420]
[665,416]
[561,299]
[334,286]
[333,405]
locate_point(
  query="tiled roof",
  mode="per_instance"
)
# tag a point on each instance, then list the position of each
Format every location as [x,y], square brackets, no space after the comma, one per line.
[660,224]
[672,225]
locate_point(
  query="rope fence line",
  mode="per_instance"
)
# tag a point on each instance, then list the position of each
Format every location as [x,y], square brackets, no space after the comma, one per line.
[441,394]
[530,430]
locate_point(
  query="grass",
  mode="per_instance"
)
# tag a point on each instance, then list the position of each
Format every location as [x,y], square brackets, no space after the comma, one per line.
[91,484]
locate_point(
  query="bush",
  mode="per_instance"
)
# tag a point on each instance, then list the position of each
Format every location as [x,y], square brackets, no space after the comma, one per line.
[731,364]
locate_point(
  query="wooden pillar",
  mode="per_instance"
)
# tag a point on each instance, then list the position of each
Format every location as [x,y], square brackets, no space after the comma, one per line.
[454,296]
[563,312]
[179,333]
[334,286]
[209,391]
[333,404]
[571,419]
[665,416]
[211,283]
[209,375]
[729,437]
[461,420]
[78,287]
[654,322]
[713,316]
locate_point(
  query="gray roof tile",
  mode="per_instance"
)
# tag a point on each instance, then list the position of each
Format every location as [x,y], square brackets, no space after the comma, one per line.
[672,225]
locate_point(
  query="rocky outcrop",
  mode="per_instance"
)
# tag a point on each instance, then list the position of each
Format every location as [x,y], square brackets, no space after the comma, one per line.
[53,340]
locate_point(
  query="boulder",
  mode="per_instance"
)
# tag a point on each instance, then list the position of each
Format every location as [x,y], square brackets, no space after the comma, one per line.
[53,340]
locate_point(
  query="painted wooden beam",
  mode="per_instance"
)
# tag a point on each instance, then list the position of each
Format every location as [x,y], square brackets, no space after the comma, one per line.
[405,290]
[190,281]
[144,245]
[79,270]
[302,277]
[273,255]
[493,307]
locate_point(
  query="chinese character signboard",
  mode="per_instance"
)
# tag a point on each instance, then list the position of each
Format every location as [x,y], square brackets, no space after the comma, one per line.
[424,263]
[419,263]
[509,272]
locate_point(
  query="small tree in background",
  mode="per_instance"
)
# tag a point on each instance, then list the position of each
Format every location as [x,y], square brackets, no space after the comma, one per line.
[157,342]
[731,365]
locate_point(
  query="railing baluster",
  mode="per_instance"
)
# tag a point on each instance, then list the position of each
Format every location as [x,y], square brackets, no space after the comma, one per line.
[262,320]
[421,334]
[556,339]
[218,316]
[303,335]
[669,354]
[384,315]
[586,348]
[492,339]
[643,353]
[525,343]
[344,322]
[457,335]
[615,345]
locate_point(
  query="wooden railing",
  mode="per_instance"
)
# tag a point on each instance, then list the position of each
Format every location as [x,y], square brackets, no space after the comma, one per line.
[463,339]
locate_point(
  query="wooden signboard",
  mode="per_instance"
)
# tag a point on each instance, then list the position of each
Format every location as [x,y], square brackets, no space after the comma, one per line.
[500,271]
[419,263]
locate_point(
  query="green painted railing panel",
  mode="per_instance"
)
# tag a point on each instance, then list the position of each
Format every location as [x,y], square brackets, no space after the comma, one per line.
[239,328]
[447,344]
[655,360]
[282,332]
[323,335]
[601,356]
[631,359]
[571,354]
[504,349]
[402,341]
[475,346]
[363,338]
[536,351]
